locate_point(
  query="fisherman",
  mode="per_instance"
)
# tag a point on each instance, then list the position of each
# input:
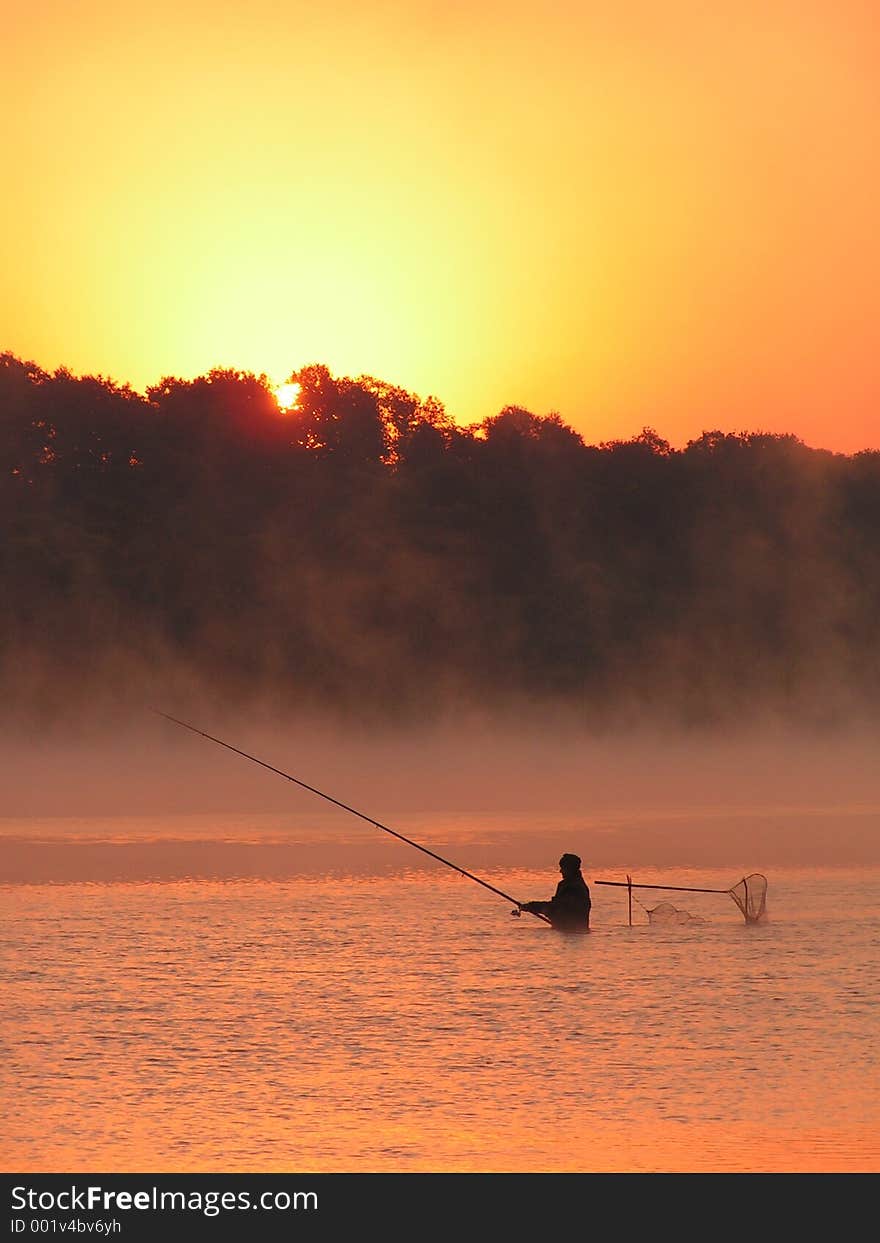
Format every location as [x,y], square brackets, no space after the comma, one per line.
[569,908]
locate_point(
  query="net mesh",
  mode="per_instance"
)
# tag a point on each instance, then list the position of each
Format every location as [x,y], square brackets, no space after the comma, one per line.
[750,895]
[667,915]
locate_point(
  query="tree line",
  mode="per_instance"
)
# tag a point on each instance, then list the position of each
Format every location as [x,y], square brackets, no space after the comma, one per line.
[361,554]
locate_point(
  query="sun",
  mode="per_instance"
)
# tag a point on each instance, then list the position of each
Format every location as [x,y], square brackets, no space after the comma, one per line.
[286,395]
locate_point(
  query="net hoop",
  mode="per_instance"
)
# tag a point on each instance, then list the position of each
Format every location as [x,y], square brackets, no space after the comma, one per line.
[750,895]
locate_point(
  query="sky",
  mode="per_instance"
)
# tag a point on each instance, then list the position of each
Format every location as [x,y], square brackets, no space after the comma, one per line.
[631,212]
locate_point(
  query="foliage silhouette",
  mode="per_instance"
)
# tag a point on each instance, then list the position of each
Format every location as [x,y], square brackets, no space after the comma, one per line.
[363,554]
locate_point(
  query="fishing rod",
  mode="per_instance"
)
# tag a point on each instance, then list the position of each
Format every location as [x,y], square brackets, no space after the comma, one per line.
[353,810]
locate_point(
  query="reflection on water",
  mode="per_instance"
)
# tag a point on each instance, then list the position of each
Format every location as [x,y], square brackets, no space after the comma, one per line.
[367,1021]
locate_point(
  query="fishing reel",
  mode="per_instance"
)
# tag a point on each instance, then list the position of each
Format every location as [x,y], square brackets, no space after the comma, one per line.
[516,913]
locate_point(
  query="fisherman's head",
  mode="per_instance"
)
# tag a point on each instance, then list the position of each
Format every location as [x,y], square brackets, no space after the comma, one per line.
[569,865]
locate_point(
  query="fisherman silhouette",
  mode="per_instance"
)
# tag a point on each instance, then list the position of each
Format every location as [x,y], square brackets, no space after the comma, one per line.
[569,908]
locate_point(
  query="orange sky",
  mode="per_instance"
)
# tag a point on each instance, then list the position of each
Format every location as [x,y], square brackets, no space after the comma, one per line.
[633,212]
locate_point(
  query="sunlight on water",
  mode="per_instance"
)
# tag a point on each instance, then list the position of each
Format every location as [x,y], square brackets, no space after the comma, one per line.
[372,1021]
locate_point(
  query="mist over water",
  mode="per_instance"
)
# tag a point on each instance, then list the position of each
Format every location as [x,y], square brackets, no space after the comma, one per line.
[760,796]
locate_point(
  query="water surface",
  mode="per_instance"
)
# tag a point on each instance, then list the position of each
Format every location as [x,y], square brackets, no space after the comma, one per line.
[244,994]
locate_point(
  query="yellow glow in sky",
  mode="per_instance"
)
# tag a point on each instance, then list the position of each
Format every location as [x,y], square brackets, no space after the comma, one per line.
[650,212]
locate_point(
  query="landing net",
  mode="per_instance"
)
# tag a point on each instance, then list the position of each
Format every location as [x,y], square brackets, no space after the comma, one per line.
[750,895]
[667,915]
